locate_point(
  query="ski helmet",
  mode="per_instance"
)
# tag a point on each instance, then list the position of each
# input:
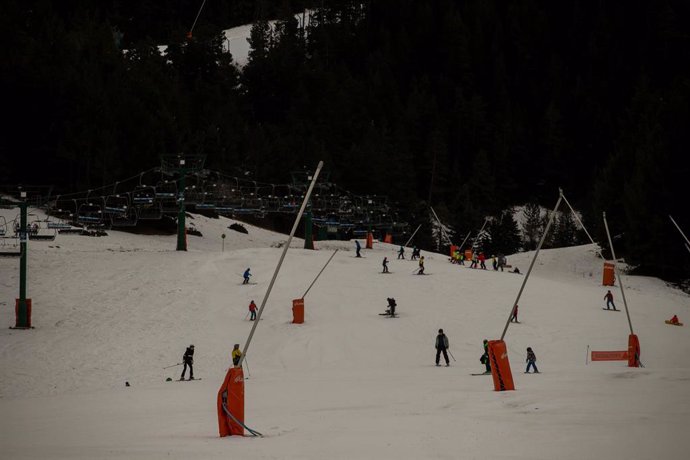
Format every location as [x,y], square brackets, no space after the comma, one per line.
[440,331]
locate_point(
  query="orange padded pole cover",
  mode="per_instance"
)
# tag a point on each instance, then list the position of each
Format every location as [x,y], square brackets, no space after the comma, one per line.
[609,275]
[500,366]
[370,240]
[388,238]
[633,351]
[298,311]
[231,394]
[453,248]
[468,254]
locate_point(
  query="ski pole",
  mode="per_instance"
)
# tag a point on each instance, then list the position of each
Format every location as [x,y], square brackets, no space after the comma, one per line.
[178,364]
[451,355]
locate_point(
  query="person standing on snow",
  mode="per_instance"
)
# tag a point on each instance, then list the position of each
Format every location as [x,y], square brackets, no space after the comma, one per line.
[609,300]
[415,253]
[236,355]
[485,358]
[252,311]
[391,306]
[401,253]
[531,361]
[442,347]
[513,317]
[421,266]
[482,258]
[358,248]
[188,360]
[246,276]
[385,265]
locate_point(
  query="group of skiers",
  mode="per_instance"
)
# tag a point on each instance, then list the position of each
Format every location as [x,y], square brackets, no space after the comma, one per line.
[478,260]
[443,348]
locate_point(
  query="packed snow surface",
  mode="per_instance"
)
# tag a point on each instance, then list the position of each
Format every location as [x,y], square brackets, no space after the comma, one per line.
[346,384]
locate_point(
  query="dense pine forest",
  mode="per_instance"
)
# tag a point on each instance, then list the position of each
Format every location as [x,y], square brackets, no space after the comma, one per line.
[470,106]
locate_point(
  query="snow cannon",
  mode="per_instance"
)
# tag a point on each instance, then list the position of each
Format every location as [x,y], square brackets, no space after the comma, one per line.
[500,366]
[370,240]
[298,311]
[231,404]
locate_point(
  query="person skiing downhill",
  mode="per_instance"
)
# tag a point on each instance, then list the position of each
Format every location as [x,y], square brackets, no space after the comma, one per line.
[421,266]
[514,316]
[391,307]
[531,361]
[415,253]
[358,248]
[236,355]
[442,347]
[385,265]
[188,360]
[401,253]
[246,276]
[609,300]
[252,311]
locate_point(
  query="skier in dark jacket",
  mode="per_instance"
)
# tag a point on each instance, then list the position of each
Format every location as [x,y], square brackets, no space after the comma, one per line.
[401,253]
[442,347]
[391,306]
[415,253]
[385,265]
[358,248]
[609,300]
[485,358]
[188,360]
[246,276]
[531,361]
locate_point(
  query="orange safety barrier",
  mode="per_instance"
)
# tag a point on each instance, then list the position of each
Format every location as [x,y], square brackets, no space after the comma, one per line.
[388,238]
[609,274]
[468,254]
[500,366]
[370,241]
[453,248]
[609,355]
[633,351]
[28,312]
[297,311]
[231,398]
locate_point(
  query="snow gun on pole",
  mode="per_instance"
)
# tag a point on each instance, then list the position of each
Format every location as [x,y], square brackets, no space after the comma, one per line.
[687,243]
[280,261]
[633,340]
[317,276]
[413,234]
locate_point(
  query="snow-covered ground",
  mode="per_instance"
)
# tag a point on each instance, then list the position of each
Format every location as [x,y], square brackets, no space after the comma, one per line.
[347,383]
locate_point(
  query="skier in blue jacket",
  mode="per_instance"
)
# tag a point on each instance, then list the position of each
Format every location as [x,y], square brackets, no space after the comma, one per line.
[246,276]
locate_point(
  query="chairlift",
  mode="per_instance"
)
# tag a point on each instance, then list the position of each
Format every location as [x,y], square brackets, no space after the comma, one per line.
[90,213]
[116,204]
[143,195]
[128,218]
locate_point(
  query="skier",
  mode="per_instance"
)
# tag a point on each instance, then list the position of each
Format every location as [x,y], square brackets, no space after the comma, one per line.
[461,259]
[236,355]
[252,311]
[188,360]
[415,253]
[441,347]
[482,258]
[246,276]
[501,261]
[475,260]
[456,257]
[391,307]
[609,300]
[358,248]
[421,266]
[484,359]
[516,270]
[531,361]
[385,265]
[674,320]
[494,263]
[401,253]
[514,317]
